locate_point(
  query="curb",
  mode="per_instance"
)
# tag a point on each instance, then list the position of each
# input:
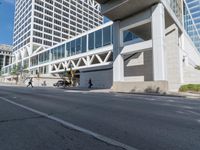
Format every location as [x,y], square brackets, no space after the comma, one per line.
[153,94]
[178,95]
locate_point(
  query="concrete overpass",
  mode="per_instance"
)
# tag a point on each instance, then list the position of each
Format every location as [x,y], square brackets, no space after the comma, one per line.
[156,63]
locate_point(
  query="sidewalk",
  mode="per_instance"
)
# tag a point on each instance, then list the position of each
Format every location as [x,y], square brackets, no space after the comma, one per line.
[170,94]
[8,84]
[98,90]
[187,95]
[92,90]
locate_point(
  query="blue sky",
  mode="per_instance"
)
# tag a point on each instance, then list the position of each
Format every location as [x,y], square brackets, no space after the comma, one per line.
[6,21]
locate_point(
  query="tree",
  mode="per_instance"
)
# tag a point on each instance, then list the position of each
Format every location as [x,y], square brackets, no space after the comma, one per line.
[19,71]
[69,74]
[15,72]
[1,72]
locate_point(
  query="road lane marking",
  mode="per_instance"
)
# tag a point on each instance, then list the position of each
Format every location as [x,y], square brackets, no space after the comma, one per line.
[193,112]
[72,126]
[150,99]
[171,100]
[74,91]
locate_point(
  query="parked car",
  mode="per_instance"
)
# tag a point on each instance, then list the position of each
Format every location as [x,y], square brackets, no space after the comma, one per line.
[62,83]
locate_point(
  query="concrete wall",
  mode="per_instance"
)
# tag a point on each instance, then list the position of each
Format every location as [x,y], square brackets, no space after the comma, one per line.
[38,82]
[191,75]
[49,79]
[141,87]
[191,58]
[139,67]
[100,78]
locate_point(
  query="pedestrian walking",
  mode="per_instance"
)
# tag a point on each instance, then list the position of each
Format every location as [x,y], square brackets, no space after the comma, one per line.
[30,83]
[90,83]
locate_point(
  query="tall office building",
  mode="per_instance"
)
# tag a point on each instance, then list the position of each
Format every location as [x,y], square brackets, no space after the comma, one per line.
[40,24]
[5,55]
[194,7]
[192,20]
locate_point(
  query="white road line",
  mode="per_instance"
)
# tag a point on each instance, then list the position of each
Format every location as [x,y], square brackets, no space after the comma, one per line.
[72,126]
[74,91]
[150,99]
[170,100]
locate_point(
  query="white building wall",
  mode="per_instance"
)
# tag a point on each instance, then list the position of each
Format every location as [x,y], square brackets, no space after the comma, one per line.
[101,78]
[191,58]
[190,52]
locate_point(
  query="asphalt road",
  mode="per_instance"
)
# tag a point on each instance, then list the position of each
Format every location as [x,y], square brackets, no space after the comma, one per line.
[59,119]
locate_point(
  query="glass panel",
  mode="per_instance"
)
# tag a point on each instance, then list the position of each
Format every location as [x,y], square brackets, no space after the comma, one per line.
[84,44]
[78,46]
[56,53]
[73,50]
[40,57]
[47,56]
[68,47]
[107,36]
[128,36]
[98,39]
[59,49]
[52,55]
[91,41]
[34,60]
[63,50]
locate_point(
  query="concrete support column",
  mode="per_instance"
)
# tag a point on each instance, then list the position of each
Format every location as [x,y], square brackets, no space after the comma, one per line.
[29,61]
[181,57]
[10,59]
[4,60]
[158,37]
[118,62]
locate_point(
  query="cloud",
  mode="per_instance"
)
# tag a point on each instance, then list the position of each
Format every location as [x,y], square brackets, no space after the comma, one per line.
[9,1]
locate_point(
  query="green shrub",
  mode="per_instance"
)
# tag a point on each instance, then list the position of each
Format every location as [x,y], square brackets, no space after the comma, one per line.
[197,67]
[190,88]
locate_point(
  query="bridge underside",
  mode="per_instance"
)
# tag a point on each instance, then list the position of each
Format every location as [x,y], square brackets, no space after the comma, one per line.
[121,9]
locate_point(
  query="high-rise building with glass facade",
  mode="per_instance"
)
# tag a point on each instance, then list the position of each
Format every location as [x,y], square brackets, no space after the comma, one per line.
[43,23]
[192,20]
[194,7]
